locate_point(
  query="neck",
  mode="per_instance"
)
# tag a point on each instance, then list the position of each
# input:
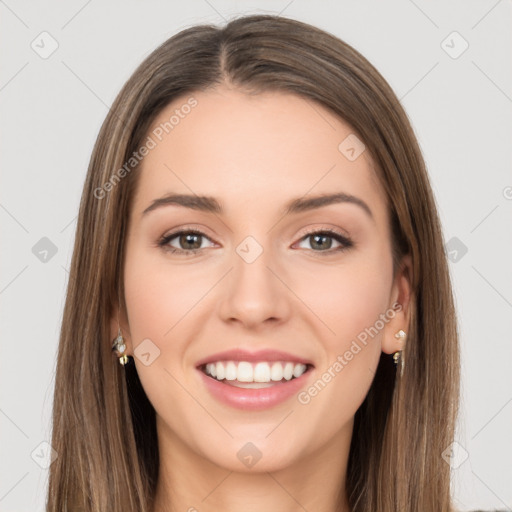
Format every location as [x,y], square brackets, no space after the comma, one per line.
[188,482]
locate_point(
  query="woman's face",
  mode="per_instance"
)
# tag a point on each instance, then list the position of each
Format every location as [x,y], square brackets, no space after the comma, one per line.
[284,299]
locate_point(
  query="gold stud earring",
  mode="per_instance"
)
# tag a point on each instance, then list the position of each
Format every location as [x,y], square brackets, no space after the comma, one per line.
[120,347]
[398,356]
[118,343]
[400,335]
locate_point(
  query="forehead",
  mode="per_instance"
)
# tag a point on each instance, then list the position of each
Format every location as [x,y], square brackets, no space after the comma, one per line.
[254,149]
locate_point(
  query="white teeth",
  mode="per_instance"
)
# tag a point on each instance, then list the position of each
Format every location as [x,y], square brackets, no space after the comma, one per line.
[245,372]
[230,371]
[220,372]
[288,371]
[299,369]
[276,373]
[262,372]
[210,369]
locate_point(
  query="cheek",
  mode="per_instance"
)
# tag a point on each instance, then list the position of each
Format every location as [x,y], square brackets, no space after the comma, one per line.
[347,299]
[158,298]
[157,301]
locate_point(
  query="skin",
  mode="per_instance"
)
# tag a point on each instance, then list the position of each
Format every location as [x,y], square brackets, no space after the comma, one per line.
[254,154]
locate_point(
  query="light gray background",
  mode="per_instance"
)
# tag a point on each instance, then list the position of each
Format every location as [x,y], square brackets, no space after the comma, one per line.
[51,111]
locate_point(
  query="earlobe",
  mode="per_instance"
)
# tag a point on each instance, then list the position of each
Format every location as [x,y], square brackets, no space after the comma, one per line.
[395,333]
[120,347]
[118,329]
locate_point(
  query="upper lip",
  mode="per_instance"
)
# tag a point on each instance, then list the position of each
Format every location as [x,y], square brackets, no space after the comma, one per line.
[258,356]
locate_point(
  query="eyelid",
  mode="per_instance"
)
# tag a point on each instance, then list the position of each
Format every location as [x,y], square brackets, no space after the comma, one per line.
[341,236]
[164,240]
[325,229]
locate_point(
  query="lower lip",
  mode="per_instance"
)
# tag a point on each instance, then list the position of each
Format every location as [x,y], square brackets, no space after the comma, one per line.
[254,399]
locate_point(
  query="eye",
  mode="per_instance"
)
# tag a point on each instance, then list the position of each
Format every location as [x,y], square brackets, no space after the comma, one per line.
[322,241]
[189,241]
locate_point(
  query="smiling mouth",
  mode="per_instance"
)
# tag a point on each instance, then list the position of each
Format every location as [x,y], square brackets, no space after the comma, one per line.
[244,374]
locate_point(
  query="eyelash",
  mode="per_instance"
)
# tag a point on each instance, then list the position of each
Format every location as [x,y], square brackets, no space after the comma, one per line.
[345,242]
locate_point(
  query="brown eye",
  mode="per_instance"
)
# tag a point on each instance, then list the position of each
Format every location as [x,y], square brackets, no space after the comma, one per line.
[322,241]
[189,241]
[185,241]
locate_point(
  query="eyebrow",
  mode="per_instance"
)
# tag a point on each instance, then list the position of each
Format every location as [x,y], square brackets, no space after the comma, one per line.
[211,205]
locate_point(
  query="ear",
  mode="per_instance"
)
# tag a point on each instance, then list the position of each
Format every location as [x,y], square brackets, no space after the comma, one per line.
[400,302]
[117,321]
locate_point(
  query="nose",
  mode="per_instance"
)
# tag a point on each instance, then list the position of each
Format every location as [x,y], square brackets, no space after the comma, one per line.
[253,294]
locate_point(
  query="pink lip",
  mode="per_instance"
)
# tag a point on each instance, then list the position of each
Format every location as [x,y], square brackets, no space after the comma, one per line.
[254,357]
[254,399]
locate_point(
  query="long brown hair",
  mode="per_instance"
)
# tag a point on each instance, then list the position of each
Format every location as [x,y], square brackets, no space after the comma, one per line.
[103,424]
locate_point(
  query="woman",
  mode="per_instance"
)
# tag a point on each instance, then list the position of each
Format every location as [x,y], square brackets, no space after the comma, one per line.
[258,246]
